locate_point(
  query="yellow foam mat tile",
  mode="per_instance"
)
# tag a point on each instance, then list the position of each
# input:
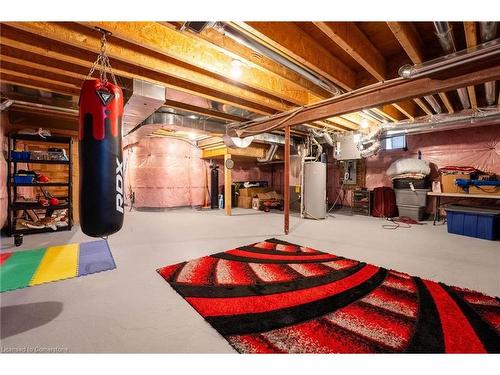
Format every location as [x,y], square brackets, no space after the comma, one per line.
[59,262]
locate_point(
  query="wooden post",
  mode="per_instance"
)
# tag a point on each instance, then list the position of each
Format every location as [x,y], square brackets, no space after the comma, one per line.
[227,186]
[286,175]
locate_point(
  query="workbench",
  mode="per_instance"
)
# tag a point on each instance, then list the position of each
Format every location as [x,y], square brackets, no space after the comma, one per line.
[437,199]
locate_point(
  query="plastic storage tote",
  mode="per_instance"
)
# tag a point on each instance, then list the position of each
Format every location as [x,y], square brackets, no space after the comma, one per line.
[475,222]
[413,212]
[407,197]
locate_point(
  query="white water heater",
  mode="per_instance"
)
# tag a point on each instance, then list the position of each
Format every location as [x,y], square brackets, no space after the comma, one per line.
[314,193]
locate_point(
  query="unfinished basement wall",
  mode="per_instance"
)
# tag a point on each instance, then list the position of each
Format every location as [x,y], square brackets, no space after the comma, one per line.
[478,147]
[165,173]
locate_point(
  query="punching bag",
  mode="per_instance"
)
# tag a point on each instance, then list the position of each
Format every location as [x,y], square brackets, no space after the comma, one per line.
[101,159]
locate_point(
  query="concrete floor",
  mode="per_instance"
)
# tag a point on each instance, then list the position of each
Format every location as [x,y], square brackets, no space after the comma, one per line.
[132,309]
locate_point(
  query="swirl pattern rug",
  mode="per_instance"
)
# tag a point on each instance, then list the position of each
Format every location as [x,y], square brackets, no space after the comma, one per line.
[277,297]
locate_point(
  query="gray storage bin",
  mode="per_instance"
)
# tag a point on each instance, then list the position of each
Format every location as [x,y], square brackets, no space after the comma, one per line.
[414,212]
[409,197]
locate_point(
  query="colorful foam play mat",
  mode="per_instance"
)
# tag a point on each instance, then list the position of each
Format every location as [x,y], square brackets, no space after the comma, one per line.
[21,269]
[277,297]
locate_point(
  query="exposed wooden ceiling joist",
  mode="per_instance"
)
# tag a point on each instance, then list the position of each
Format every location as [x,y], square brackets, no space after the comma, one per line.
[411,42]
[30,82]
[408,108]
[237,50]
[471,40]
[287,38]
[352,40]
[201,54]
[130,63]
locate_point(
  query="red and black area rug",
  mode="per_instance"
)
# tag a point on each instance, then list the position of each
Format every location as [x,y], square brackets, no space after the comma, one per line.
[277,297]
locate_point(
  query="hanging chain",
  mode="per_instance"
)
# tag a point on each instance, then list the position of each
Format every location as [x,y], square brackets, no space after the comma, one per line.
[102,63]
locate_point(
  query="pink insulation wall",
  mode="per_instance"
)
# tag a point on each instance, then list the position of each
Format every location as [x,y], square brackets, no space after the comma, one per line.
[478,147]
[165,172]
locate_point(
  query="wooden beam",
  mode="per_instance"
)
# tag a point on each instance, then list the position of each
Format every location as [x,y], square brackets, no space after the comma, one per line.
[227,186]
[16,79]
[446,102]
[198,53]
[388,92]
[286,184]
[423,106]
[471,40]
[407,36]
[41,74]
[411,42]
[408,108]
[240,51]
[288,39]
[348,124]
[352,40]
[124,57]
[390,111]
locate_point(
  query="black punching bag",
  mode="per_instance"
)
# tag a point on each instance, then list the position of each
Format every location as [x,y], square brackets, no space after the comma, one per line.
[214,186]
[101,159]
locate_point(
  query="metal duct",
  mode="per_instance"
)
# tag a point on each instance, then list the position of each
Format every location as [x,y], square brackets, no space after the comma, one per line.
[446,122]
[146,98]
[236,142]
[243,39]
[433,103]
[481,52]
[488,31]
[447,42]
[269,154]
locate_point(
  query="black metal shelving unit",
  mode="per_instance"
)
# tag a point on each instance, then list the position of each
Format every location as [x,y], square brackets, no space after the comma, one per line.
[12,168]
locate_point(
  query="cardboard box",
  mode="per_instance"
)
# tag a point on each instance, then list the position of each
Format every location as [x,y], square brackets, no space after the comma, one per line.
[244,202]
[489,190]
[448,182]
[251,192]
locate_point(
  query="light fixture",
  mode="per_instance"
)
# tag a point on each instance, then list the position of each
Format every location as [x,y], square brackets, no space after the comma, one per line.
[365,124]
[193,117]
[236,68]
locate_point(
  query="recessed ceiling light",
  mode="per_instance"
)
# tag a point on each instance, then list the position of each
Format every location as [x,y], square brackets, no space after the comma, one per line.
[194,117]
[236,68]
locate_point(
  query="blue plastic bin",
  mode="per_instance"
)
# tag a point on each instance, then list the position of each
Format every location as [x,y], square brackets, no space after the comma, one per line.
[475,222]
[23,179]
[20,155]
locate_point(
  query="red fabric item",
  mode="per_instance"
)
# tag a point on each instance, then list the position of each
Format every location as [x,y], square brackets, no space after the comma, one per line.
[248,254]
[453,169]
[274,306]
[457,340]
[384,202]
[255,304]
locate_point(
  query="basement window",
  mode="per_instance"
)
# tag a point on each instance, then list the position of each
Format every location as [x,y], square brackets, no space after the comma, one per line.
[395,143]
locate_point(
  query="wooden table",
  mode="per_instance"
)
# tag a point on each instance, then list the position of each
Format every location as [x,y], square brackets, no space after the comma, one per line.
[437,200]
